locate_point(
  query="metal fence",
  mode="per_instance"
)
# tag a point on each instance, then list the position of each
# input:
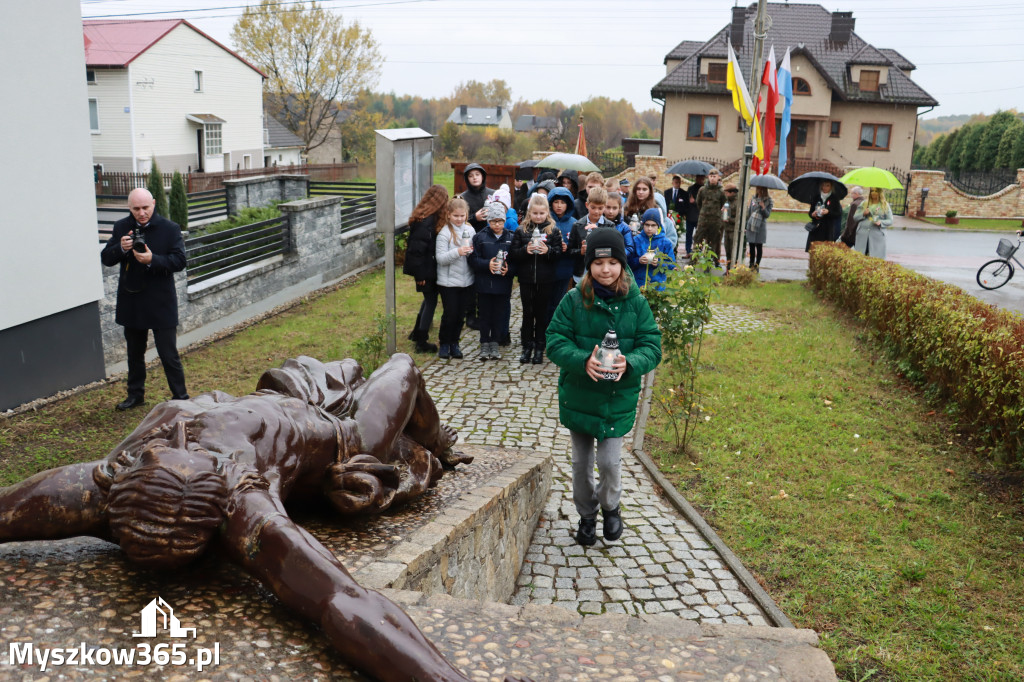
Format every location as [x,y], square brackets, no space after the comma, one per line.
[980,183]
[120,183]
[202,207]
[217,253]
[897,198]
[359,201]
[611,162]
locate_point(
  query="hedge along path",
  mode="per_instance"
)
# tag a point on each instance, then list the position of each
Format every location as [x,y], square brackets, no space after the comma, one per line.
[970,353]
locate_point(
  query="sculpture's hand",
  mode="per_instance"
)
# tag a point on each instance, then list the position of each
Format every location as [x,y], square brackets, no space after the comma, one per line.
[362,484]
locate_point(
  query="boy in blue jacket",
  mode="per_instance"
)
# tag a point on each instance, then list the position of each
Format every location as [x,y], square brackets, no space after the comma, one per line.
[651,247]
[560,200]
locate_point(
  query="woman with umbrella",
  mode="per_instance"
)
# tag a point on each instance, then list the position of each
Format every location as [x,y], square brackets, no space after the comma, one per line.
[872,216]
[823,191]
[757,225]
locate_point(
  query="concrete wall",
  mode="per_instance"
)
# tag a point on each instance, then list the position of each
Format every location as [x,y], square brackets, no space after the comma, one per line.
[319,252]
[942,197]
[264,189]
[474,550]
[44,297]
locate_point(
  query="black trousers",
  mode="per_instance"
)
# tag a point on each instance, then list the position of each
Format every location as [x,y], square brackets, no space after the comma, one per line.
[756,251]
[167,348]
[491,315]
[425,317]
[536,299]
[454,300]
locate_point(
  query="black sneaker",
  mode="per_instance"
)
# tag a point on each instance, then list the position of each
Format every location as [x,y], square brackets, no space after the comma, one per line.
[426,347]
[527,354]
[506,340]
[587,533]
[456,352]
[612,524]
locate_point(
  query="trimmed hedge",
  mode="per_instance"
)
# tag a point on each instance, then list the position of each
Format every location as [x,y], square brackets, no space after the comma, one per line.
[968,352]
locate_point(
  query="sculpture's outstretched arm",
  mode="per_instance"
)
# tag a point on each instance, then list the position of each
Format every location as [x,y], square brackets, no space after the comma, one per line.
[53,504]
[371,632]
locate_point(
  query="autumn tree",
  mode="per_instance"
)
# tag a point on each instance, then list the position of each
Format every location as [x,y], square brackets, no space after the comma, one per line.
[315,63]
[448,140]
[493,93]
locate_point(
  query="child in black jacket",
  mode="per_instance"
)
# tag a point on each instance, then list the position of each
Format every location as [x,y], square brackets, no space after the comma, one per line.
[493,279]
[536,247]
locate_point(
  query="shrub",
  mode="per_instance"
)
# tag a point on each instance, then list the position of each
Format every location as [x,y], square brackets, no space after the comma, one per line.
[179,201]
[155,185]
[740,276]
[967,353]
[951,213]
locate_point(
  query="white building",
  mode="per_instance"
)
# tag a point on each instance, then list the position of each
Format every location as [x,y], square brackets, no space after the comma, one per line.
[49,298]
[165,90]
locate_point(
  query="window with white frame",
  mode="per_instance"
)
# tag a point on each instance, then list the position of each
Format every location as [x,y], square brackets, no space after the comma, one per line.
[94,115]
[90,77]
[199,81]
[212,134]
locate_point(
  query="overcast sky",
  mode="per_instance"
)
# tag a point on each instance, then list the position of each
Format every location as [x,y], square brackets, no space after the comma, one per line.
[969,55]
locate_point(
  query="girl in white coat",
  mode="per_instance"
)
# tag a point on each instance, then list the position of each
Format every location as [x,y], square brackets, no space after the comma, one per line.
[452,246]
[873,216]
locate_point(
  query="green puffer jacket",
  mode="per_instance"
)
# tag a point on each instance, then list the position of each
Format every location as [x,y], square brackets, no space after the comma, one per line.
[603,409]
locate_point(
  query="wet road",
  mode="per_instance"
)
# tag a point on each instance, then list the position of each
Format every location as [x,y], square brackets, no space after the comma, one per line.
[946,255]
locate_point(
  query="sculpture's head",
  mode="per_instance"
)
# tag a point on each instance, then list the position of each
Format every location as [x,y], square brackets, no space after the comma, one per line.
[166,502]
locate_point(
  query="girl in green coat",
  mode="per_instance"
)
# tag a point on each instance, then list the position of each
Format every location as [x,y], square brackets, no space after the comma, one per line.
[599,412]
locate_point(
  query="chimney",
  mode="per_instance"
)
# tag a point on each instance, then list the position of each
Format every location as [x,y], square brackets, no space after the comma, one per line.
[499,112]
[463,110]
[739,16]
[842,27]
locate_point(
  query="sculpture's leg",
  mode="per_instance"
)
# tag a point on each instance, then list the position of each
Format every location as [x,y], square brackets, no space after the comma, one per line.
[369,630]
[395,400]
[58,503]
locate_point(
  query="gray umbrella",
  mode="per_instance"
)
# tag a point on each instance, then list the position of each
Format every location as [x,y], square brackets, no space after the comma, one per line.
[767,180]
[690,167]
[564,161]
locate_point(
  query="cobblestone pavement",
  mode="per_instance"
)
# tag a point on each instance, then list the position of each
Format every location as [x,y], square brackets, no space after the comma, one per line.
[734,319]
[660,565]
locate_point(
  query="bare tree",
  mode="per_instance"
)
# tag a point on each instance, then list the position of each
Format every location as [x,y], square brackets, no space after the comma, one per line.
[315,63]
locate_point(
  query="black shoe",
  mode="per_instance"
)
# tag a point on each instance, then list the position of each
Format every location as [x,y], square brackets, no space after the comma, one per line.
[473,323]
[538,356]
[426,347]
[587,533]
[445,351]
[184,397]
[130,402]
[506,340]
[412,335]
[612,524]
[527,352]
[456,351]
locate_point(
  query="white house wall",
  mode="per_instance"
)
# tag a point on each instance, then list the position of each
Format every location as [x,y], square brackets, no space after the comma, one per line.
[164,92]
[112,146]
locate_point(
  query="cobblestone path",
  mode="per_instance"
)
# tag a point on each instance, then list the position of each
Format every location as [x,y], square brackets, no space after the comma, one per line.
[660,565]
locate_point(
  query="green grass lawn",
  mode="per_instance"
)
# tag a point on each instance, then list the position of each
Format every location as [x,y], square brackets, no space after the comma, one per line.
[86,427]
[1003,224]
[862,511]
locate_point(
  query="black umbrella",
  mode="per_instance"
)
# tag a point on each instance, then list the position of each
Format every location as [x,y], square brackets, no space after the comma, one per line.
[690,167]
[529,163]
[767,180]
[806,188]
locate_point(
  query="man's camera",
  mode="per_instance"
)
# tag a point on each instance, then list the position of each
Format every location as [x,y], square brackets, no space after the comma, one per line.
[139,235]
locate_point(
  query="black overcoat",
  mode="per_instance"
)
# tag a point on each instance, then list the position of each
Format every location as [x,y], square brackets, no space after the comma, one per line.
[146,297]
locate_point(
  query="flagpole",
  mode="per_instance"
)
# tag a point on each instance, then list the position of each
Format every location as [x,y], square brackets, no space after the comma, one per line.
[748,148]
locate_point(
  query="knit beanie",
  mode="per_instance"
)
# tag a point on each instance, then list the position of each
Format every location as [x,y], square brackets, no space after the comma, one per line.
[503,195]
[652,214]
[496,211]
[605,242]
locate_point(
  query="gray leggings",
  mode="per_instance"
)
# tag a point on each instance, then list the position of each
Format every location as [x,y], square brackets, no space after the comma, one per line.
[609,466]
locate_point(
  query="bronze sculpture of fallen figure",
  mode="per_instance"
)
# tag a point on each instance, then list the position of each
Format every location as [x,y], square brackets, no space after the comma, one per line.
[217,470]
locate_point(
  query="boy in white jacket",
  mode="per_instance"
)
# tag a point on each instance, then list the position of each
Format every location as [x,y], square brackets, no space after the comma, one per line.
[452,246]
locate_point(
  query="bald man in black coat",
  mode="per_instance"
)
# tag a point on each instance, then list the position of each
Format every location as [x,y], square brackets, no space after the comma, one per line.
[146,297]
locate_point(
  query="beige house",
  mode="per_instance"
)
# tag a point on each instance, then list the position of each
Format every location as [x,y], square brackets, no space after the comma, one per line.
[164,89]
[853,104]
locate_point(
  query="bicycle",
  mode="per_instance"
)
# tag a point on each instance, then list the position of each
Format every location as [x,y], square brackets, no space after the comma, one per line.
[998,272]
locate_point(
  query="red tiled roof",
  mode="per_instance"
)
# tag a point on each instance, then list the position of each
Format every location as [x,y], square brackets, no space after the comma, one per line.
[119,42]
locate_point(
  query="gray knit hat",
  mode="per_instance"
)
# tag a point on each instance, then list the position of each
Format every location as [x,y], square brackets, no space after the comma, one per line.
[496,211]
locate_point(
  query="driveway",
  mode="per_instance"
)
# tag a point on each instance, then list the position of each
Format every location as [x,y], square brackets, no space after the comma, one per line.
[951,256]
